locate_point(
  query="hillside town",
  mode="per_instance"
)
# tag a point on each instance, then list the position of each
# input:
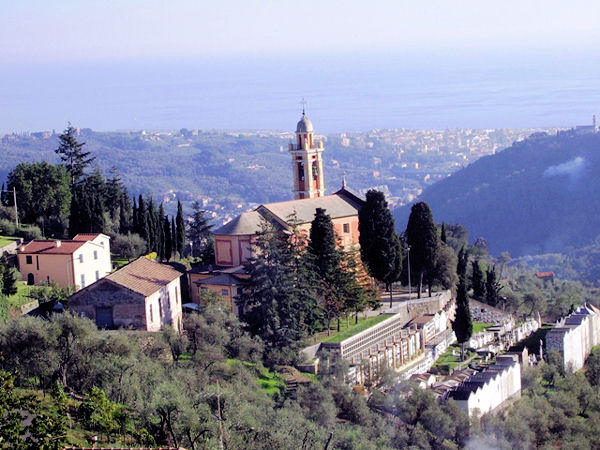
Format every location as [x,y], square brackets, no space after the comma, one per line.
[411,338]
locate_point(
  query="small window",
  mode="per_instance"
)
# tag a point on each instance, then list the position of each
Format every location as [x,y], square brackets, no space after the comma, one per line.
[239,291]
[97,275]
[29,259]
[82,280]
[151,314]
[346,228]
[203,288]
[81,258]
[224,292]
[95,254]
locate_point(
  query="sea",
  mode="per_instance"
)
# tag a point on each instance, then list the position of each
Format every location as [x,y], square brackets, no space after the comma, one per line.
[342,92]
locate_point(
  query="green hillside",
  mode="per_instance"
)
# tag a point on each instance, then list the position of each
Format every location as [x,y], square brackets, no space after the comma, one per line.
[538,196]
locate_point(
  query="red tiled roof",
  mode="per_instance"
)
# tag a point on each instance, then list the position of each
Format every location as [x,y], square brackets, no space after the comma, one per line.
[50,247]
[86,236]
[544,274]
[144,276]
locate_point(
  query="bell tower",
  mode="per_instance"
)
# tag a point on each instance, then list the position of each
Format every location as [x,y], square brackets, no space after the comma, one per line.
[307,164]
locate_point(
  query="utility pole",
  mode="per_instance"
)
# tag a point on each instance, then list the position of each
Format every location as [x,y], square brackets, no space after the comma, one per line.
[15,202]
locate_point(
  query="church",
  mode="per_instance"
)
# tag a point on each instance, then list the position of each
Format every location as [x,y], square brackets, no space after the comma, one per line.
[233,240]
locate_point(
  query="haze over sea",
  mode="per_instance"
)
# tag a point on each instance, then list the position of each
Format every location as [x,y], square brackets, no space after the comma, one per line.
[343,92]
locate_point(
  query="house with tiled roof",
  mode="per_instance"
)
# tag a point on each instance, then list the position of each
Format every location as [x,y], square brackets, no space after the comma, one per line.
[143,295]
[77,262]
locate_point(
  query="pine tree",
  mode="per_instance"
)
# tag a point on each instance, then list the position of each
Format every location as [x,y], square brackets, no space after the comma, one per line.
[277,303]
[422,238]
[180,236]
[72,154]
[8,277]
[477,280]
[380,247]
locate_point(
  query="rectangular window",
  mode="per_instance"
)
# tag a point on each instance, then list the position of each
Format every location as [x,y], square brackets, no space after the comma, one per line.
[224,292]
[203,288]
[81,258]
[95,254]
[37,262]
[97,275]
[151,314]
[346,228]
[29,259]
[176,296]
[82,280]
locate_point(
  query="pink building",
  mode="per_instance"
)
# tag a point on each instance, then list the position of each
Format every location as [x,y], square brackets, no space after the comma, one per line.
[77,262]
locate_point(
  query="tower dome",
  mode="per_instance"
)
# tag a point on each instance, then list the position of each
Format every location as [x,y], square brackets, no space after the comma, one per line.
[305,125]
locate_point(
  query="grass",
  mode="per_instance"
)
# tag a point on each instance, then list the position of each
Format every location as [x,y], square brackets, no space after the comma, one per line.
[346,332]
[5,240]
[21,297]
[271,382]
[120,262]
[452,361]
[478,327]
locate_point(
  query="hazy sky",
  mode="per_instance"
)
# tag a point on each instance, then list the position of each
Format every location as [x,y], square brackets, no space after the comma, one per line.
[43,30]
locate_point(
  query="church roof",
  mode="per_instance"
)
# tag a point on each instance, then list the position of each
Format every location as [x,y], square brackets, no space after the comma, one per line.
[245,223]
[340,204]
[334,205]
[305,125]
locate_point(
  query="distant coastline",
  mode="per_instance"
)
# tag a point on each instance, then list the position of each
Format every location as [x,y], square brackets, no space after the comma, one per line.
[343,93]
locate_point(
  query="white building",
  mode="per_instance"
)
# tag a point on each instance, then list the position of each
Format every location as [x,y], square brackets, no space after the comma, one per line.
[485,391]
[574,336]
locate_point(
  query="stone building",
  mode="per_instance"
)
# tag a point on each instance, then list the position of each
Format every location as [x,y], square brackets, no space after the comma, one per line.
[143,295]
[574,336]
[77,262]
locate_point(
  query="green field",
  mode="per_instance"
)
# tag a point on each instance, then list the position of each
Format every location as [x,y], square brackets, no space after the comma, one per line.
[5,240]
[362,325]
[453,361]
[478,327]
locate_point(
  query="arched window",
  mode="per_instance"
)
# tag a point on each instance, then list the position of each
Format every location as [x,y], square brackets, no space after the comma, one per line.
[301,171]
[30,280]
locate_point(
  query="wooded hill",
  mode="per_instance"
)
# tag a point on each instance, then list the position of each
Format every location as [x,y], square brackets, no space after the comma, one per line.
[538,196]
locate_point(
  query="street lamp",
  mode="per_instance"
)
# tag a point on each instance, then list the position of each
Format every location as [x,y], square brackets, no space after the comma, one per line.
[408,257]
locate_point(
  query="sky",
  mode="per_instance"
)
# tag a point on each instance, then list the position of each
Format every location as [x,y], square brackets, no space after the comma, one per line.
[75,30]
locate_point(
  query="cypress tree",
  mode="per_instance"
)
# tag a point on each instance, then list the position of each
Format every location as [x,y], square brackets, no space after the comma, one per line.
[380,248]
[326,260]
[160,232]
[134,218]
[180,236]
[477,280]
[422,238]
[492,287]
[173,236]
[463,322]
[168,239]
[141,218]
[443,234]
[125,213]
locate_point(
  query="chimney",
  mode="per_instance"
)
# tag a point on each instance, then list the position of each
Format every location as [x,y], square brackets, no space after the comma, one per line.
[58,244]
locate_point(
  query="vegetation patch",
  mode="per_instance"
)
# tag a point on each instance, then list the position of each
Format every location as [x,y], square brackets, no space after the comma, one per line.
[478,327]
[5,240]
[346,332]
